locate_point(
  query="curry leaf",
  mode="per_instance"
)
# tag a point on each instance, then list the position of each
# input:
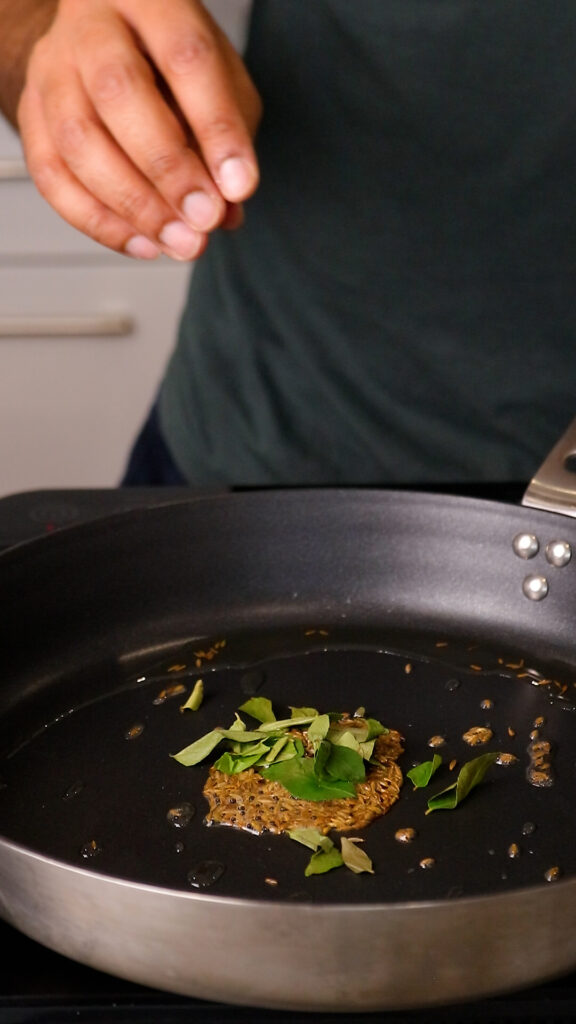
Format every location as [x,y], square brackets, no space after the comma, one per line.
[317,730]
[259,708]
[469,776]
[347,738]
[355,858]
[287,723]
[237,725]
[320,759]
[302,712]
[344,763]
[247,736]
[197,751]
[233,764]
[323,861]
[421,774]
[297,776]
[310,837]
[375,728]
[196,697]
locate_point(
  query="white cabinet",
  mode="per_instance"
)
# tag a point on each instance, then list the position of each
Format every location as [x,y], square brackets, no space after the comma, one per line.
[84,336]
[84,333]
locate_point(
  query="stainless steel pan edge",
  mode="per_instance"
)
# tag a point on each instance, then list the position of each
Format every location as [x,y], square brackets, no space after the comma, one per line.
[307,958]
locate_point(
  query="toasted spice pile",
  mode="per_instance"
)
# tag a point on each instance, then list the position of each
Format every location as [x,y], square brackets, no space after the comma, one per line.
[247,800]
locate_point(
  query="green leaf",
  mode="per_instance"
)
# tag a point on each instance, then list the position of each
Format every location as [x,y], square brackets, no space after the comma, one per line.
[343,764]
[310,837]
[470,775]
[323,861]
[317,730]
[303,712]
[259,708]
[196,697]
[246,736]
[355,858]
[297,776]
[197,751]
[375,728]
[233,764]
[247,749]
[421,774]
[348,738]
[321,758]
[272,752]
[287,723]
[366,750]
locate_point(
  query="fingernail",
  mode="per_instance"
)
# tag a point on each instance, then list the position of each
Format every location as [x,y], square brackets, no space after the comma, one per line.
[182,241]
[236,178]
[141,248]
[200,210]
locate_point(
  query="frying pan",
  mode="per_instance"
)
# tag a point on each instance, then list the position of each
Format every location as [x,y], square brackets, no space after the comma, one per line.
[434,612]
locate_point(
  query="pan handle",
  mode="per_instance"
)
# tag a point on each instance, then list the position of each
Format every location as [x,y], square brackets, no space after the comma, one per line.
[553,488]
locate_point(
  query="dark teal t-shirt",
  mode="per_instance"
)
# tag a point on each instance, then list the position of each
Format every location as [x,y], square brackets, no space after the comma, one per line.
[400,305]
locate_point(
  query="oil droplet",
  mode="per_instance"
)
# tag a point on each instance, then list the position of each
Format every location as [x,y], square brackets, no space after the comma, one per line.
[553,874]
[506,759]
[169,692]
[252,680]
[486,704]
[182,815]
[405,835]
[528,828]
[134,731]
[513,851]
[90,849]
[205,873]
[539,772]
[451,685]
[477,735]
[74,790]
[436,741]
[427,862]
[179,847]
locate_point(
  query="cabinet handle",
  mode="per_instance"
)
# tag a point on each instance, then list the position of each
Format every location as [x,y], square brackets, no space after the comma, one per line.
[99,325]
[13,168]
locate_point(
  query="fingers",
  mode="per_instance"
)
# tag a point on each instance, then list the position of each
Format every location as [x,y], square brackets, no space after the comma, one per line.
[140,168]
[56,182]
[211,88]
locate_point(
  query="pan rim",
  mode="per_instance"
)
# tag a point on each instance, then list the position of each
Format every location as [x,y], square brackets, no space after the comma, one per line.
[511,896]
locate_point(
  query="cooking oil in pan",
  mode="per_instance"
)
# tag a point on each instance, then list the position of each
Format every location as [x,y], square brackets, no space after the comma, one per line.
[102,792]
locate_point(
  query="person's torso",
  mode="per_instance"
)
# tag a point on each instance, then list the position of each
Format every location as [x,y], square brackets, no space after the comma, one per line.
[399,305]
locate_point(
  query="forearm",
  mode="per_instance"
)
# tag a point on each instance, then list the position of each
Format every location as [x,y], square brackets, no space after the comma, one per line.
[22,22]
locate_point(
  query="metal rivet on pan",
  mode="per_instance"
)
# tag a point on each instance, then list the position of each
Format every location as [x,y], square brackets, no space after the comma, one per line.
[525,545]
[558,552]
[535,587]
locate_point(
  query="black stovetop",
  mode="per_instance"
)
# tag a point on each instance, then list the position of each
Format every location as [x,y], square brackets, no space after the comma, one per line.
[38,986]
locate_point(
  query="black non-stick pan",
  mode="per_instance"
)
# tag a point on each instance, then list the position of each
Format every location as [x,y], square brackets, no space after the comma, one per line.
[435,613]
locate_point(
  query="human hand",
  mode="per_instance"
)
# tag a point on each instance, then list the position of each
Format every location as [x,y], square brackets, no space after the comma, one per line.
[137,120]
